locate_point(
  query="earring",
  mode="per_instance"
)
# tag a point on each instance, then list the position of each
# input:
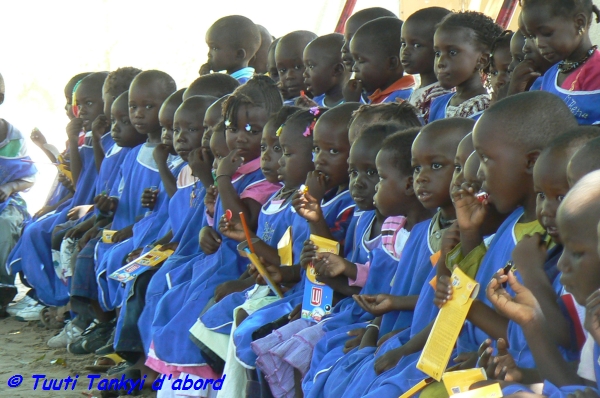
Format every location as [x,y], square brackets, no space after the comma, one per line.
[580,32]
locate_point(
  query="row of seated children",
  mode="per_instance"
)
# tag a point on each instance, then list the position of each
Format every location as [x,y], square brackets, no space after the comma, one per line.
[201,315]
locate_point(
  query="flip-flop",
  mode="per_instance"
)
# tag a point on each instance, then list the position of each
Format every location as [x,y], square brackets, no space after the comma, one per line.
[104,363]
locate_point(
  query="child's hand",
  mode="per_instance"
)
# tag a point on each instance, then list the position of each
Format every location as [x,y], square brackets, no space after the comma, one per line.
[329,265]
[100,126]
[592,315]
[204,69]
[200,161]
[229,164]
[357,335]
[309,254]
[317,185]
[501,366]
[388,360]
[232,229]
[161,153]
[467,360]
[522,309]
[210,200]
[522,77]
[77,231]
[210,240]
[134,254]
[530,253]
[169,246]
[272,269]
[74,127]
[86,237]
[450,238]
[79,211]
[65,182]
[123,234]
[226,288]
[376,304]
[149,198]
[443,291]
[5,192]
[352,91]
[308,205]
[38,138]
[105,203]
[470,212]
[304,102]
[386,337]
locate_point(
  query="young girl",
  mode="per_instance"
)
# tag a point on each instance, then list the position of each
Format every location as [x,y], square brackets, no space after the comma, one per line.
[242,187]
[561,31]
[500,61]
[462,44]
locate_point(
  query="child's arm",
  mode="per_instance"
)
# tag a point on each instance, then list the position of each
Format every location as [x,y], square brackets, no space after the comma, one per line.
[161,154]
[13,187]
[73,129]
[380,304]
[233,230]
[100,126]
[308,205]
[38,139]
[391,358]
[200,161]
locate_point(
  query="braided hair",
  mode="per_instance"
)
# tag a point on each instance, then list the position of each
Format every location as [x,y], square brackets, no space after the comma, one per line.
[484,27]
[260,91]
[118,81]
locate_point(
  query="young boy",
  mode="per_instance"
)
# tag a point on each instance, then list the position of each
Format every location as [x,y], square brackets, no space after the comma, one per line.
[259,61]
[324,73]
[417,56]
[16,175]
[215,85]
[232,42]
[584,161]
[403,115]
[290,65]
[375,49]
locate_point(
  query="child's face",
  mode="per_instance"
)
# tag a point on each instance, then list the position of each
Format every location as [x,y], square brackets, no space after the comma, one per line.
[221,54]
[362,171]
[331,148]
[516,50]
[187,131]
[218,147]
[433,165]
[504,167]
[290,66]
[556,36]
[212,117]
[89,104]
[319,75]
[122,131]
[464,150]
[296,161]
[245,133]
[501,61]
[271,152]
[371,66]
[69,107]
[392,185]
[272,66]
[471,171]
[457,57]
[108,96]
[416,53]
[165,118]
[551,186]
[349,31]
[145,101]
[580,261]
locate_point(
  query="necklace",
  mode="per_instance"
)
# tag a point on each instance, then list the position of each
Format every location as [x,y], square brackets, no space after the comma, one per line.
[569,66]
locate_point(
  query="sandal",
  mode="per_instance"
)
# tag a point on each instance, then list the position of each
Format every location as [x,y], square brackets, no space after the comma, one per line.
[104,363]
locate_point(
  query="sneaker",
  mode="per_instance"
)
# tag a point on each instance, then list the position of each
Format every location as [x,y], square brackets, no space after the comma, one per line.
[93,338]
[25,302]
[30,313]
[69,334]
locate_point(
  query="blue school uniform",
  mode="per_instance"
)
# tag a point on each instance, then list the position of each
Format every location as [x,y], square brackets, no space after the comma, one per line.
[320,101]
[33,254]
[537,84]
[583,104]
[335,207]
[439,105]
[243,75]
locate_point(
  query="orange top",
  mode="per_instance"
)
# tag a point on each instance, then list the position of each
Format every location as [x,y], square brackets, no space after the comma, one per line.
[403,83]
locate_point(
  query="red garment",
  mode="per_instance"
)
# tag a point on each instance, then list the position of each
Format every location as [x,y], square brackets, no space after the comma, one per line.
[403,83]
[586,77]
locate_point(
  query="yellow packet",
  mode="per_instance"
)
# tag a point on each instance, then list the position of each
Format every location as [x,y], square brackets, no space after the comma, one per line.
[62,169]
[107,235]
[491,391]
[153,257]
[447,326]
[461,380]
[318,297]
[417,387]
[284,248]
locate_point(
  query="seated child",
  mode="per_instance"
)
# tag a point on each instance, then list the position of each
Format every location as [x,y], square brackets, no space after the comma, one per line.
[272,71]
[375,49]
[324,74]
[498,70]
[232,42]
[417,56]
[584,161]
[574,77]
[290,64]
[215,85]
[403,115]
[259,61]
[462,45]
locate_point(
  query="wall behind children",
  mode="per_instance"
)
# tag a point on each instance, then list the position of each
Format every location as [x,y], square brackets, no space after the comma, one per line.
[44,43]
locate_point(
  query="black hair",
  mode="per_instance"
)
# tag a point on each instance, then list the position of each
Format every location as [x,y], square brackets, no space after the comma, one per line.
[531,119]
[260,91]
[566,7]
[157,77]
[383,34]
[586,159]
[484,27]
[306,118]
[374,135]
[400,146]
[574,139]
[70,87]
[332,44]
[429,15]
[95,79]
[296,38]
[241,30]
[199,102]
[174,100]
[119,80]
[279,118]
[215,84]
[368,14]
[402,113]
[502,41]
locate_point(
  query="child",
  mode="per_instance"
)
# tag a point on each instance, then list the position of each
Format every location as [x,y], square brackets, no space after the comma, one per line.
[462,45]
[259,61]
[417,56]
[215,85]
[584,161]
[16,175]
[324,74]
[272,71]
[574,78]
[500,60]
[290,65]
[403,115]
[232,42]
[375,49]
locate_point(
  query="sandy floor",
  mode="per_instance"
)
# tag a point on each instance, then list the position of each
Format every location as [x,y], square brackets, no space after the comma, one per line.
[23,351]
